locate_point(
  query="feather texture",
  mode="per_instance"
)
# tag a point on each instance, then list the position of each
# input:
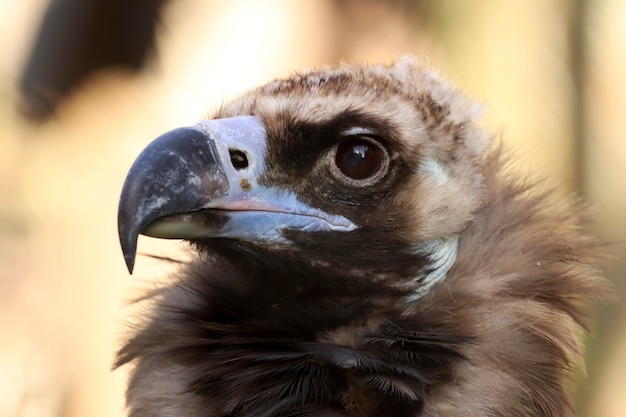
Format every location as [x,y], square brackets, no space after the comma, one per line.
[336,324]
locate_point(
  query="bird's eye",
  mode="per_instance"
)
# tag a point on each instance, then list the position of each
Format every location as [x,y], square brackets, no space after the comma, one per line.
[359,159]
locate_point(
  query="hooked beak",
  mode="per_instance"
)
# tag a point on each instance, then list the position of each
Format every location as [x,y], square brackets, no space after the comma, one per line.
[202,182]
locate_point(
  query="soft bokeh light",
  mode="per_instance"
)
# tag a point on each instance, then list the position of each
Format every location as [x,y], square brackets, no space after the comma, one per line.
[64,288]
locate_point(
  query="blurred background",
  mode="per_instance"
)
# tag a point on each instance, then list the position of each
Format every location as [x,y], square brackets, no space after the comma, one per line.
[86,84]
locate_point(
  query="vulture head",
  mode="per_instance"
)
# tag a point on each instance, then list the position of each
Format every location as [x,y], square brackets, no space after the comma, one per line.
[359,249]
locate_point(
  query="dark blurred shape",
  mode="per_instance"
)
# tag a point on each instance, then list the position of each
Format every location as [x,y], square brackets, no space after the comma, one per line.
[78,37]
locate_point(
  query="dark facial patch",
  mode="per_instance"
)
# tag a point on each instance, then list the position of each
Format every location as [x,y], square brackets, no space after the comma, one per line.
[299,158]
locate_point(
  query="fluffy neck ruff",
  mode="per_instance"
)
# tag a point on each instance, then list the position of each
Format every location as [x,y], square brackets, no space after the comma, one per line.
[240,351]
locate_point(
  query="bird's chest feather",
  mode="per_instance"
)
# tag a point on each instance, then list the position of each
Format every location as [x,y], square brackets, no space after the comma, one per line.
[244,356]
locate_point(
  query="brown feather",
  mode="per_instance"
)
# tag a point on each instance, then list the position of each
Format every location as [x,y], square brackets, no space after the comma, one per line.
[330,332]
[523,281]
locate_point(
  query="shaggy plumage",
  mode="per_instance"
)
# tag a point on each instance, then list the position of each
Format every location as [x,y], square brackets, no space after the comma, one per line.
[460,290]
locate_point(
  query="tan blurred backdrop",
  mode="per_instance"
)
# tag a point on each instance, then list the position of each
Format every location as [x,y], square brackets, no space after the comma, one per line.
[552,75]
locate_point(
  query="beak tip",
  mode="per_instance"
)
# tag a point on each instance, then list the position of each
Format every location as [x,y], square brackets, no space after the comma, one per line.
[129,258]
[130,264]
[129,249]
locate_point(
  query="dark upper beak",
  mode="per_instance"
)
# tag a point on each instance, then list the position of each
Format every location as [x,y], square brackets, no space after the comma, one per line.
[183,171]
[178,172]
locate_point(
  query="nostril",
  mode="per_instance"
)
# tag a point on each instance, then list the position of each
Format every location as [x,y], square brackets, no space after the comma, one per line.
[238,158]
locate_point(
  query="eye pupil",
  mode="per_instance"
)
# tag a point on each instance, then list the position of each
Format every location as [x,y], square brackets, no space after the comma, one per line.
[358,159]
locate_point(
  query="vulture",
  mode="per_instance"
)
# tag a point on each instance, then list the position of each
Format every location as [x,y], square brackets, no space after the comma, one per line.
[358,248]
